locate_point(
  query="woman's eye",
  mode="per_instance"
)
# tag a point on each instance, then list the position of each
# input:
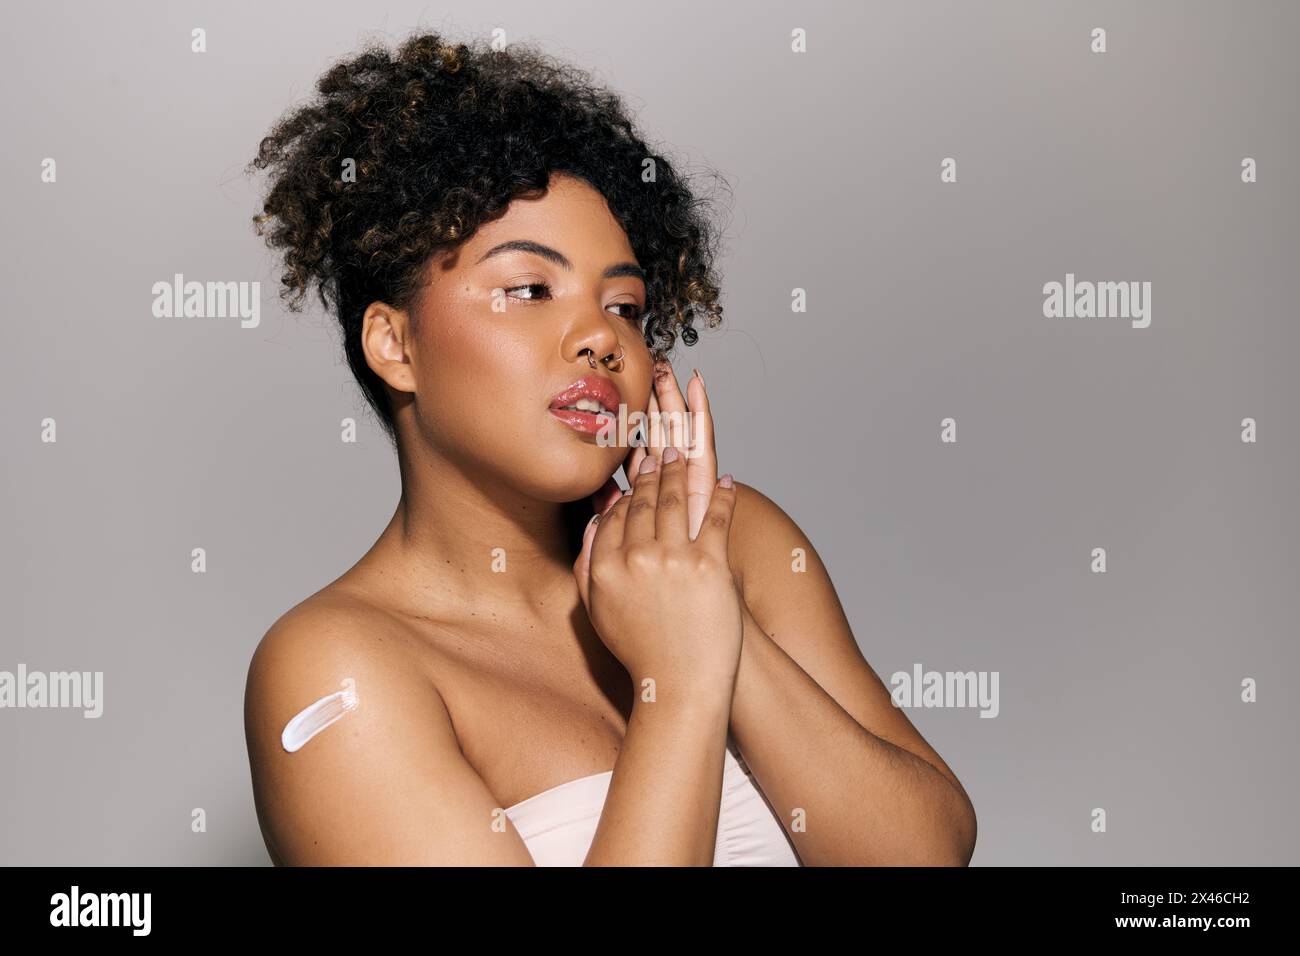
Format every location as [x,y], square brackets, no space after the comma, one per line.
[634,315]
[530,286]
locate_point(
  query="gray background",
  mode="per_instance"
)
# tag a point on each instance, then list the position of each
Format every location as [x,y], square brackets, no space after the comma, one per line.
[1118,690]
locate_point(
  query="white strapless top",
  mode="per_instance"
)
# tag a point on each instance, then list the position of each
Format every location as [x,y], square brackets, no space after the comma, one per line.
[558,825]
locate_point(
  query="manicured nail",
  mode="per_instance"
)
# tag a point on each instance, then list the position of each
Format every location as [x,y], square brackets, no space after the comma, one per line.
[699,376]
[725,481]
[670,454]
[648,464]
[595,519]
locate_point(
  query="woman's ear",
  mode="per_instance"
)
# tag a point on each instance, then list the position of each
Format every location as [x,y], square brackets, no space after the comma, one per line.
[388,345]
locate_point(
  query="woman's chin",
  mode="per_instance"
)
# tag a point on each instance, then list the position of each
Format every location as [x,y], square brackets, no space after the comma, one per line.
[577,488]
[570,476]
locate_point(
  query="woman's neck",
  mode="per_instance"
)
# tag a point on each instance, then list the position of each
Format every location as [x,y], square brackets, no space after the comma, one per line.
[459,541]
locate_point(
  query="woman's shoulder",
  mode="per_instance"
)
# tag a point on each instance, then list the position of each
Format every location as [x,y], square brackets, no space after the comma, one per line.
[754,508]
[759,525]
[320,643]
[332,620]
[348,794]
[765,545]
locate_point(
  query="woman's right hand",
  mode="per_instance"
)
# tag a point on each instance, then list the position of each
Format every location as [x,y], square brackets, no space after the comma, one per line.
[665,605]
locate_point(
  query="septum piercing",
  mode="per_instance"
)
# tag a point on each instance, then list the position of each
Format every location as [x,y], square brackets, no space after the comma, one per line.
[619,359]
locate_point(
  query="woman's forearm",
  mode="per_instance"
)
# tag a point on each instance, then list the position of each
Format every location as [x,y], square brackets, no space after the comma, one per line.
[663,801]
[846,796]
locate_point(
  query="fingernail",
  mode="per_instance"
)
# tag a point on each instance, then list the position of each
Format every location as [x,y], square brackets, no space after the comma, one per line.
[725,481]
[648,464]
[670,454]
[698,375]
[595,519]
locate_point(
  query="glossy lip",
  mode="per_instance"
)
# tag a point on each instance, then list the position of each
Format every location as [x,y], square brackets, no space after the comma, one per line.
[589,386]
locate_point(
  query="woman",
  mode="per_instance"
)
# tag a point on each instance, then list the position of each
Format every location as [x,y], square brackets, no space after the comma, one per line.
[498,680]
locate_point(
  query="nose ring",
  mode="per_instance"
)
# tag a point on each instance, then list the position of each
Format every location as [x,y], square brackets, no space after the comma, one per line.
[619,359]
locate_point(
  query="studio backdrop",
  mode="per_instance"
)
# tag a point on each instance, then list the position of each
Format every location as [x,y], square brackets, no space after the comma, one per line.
[1010,331]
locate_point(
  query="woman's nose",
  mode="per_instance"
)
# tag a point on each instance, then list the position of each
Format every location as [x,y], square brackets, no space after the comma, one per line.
[595,340]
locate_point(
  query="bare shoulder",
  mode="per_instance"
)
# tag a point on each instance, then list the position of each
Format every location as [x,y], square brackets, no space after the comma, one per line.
[353,755]
[755,511]
[325,617]
[315,646]
[789,591]
[765,545]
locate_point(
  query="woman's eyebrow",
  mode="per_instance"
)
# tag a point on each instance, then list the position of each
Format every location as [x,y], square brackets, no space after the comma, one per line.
[554,255]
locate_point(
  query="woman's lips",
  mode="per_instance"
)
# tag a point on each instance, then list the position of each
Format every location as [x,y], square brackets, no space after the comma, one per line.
[585,422]
[594,388]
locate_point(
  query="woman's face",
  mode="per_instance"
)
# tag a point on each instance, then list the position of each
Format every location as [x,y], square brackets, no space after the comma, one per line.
[502,330]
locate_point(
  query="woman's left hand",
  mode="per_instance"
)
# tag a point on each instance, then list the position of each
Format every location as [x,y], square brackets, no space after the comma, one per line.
[690,431]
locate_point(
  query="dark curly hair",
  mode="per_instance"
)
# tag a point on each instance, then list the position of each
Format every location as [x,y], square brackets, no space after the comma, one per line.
[443,137]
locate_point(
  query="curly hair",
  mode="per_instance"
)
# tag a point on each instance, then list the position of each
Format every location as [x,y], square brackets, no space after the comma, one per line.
[441,138]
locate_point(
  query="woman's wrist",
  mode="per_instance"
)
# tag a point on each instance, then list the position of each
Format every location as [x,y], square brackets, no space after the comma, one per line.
[685,696]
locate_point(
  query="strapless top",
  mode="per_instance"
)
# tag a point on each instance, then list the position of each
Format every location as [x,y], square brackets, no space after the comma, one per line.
[558,825]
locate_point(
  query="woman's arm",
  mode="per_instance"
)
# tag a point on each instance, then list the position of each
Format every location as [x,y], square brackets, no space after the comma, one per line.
[664,798]
[818,727]
[667,606]
[848,772]
[387,785]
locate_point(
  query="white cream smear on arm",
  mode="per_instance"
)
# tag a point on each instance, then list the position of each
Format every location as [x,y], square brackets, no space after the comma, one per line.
[313,719]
